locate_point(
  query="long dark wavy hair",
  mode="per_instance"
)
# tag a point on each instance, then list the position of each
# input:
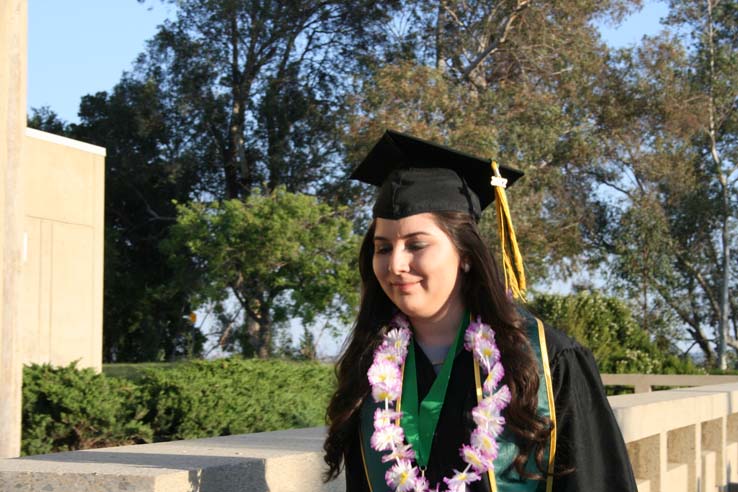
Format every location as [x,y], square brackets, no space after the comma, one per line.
[483,293]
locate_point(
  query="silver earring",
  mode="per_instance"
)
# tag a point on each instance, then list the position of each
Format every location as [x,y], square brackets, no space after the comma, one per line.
[466,267]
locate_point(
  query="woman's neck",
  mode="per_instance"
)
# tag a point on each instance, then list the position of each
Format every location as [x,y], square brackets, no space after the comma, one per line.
[439,330]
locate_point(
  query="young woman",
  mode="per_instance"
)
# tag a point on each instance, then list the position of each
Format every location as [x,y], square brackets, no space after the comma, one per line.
[446,383]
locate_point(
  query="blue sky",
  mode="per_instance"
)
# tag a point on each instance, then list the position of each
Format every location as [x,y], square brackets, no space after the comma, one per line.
[78,47]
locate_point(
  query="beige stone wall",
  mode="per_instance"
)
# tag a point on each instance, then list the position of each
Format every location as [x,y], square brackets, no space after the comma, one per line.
[13,47]
[62,257]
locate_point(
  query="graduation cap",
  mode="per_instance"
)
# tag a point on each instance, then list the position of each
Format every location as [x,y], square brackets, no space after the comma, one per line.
[416,176]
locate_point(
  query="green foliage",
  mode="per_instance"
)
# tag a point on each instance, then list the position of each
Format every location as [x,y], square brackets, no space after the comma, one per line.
[607,327]
[67,408]
[668,129]
[235,396]
[135,371]
[508,80]
[281,255]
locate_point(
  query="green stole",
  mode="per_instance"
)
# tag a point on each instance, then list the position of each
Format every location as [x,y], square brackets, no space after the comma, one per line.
[505,479]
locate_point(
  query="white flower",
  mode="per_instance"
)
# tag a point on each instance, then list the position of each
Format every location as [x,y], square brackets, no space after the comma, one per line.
[459,481]
[387,437]
[401,477]
[384,417]
[402,452]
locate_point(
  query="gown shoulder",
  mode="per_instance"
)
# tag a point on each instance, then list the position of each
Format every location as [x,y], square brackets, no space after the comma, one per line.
[590,452]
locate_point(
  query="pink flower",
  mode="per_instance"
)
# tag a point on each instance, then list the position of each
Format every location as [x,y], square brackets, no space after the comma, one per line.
[386,381]
[386,391]
[394,346]
[385,353]
[470,336]
[484,442]
[388,437]
[502,397]
[383,372]
[487,353]
[383,418]
[494,377]
[480,461]
[460,480]
[401,477]
[496,425]
[487,416]
[402,452]
[422,485]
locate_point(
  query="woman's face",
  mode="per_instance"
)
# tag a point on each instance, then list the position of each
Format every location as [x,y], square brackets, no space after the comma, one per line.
[417,266]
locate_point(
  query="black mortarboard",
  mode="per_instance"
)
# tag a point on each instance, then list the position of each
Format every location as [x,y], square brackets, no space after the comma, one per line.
[417,176]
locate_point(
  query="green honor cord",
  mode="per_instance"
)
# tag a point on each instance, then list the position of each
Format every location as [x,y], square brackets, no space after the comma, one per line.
[419,421]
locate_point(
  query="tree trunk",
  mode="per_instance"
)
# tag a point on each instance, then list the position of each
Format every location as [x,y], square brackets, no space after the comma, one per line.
[264,348]
[725,230]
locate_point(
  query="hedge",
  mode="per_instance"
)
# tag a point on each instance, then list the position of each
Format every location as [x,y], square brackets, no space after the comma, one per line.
[68,408]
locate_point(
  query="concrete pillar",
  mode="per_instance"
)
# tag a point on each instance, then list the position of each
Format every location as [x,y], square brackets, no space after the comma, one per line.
[648,456]
[13,53]
[713,439]
[684,447]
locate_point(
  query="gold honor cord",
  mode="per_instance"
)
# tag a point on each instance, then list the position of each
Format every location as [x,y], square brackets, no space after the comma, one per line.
[363,460]
[551,404]
[398,402]
[478,383]
[512,260]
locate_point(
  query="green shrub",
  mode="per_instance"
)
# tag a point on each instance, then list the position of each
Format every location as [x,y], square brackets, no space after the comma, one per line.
[607,327]
[67,408]
[235,396]
[134,371]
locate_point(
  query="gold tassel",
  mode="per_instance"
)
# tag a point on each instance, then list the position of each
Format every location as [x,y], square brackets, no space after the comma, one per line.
[512,260]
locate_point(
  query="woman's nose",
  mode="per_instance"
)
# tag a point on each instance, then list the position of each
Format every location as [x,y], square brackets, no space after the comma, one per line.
[399,261]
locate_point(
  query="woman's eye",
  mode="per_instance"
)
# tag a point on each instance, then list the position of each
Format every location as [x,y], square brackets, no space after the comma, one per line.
[416,246]
[382,249]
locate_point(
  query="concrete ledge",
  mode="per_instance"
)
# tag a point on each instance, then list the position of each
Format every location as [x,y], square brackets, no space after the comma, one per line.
[684,439]
[644,414]
[283,461]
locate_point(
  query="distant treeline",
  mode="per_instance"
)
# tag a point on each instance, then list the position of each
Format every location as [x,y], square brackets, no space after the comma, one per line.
[238,110]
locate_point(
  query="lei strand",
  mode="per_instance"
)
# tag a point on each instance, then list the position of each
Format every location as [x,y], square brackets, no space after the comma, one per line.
[385,379]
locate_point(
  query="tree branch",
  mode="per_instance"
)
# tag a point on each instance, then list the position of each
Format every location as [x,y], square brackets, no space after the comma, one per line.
[494,45]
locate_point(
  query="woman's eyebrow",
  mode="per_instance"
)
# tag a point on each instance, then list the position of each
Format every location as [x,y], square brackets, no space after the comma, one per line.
[412,234]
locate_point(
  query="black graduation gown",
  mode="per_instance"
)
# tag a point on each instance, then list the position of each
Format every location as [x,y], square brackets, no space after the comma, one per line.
[588,439]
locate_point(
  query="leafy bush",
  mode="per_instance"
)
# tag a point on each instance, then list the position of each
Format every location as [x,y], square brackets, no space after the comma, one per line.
[235,396]
[134,371]
[607,327]
[67,408]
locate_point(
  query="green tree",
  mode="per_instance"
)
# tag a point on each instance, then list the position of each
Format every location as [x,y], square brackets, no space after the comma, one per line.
[607,327]
[668,129]
[510,80]
[281,256]
[45,119]
[253,84]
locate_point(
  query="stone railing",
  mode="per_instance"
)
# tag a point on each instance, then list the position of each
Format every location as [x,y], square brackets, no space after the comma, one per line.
[643,383]
[681,440]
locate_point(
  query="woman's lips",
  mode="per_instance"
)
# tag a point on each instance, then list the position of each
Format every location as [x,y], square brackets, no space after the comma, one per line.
[405,286]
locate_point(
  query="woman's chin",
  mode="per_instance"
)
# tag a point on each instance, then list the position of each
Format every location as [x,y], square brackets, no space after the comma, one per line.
[413,309]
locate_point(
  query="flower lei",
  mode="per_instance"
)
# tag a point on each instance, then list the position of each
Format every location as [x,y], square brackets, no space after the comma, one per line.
[385,379]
